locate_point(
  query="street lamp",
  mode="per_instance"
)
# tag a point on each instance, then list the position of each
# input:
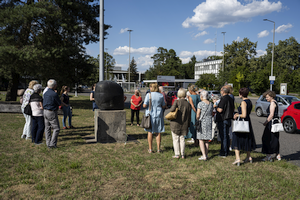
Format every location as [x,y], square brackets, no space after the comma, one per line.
[129,59]
[223,49]
[272,51]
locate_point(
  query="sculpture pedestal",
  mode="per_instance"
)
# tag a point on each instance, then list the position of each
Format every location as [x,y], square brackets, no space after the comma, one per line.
[110,126]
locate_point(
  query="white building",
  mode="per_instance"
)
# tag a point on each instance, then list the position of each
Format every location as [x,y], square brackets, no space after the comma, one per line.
[208,67]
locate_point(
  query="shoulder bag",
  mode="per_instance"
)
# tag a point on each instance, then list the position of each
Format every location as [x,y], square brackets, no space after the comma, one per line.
[277,127]
[146,120]
[27,109]
[240,126]
[198,122]
[172,115]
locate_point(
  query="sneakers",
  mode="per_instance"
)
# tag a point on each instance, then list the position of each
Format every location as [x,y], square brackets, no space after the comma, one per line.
[191,141]
[39,143]
[23,136]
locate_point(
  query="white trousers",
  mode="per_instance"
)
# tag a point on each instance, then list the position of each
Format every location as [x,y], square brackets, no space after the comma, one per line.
[27,126]
[179,144]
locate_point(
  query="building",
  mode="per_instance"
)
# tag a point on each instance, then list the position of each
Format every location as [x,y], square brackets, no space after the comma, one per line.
[120,75]
[207,67]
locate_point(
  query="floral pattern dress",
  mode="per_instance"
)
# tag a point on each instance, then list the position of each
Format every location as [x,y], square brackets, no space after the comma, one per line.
[205,132]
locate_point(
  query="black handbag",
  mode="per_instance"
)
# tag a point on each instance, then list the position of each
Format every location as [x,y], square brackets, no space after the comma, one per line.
[146,120]
[27,109]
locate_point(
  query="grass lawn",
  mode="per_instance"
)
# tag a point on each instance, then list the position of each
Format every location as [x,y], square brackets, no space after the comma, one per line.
[78,170]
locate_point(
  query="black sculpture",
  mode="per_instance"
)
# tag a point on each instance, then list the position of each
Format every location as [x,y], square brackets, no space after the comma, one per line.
[109,96]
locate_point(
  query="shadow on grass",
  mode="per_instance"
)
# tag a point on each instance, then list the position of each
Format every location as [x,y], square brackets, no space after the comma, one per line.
[144,135]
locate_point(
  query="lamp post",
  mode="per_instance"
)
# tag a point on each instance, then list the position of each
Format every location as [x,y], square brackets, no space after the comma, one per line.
[129,59]
[272,51]
[101,38]
[223,49]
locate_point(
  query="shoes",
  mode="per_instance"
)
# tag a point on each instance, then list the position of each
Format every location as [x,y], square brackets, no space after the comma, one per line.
[52,147]
[182,157]
[39,143]
[222,156]
[237,162]
[268,158]
[177,157]
[131,125]
[28,138]
[230,149]
[191,141]
[202,158]
[278,157]
[65,127]
[71,127]
[248,159]
[23,136]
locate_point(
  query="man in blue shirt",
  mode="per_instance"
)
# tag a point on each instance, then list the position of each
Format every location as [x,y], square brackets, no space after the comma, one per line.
[51,103]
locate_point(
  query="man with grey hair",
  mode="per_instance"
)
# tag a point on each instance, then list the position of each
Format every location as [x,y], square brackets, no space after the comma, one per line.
[51,103]
[225,108]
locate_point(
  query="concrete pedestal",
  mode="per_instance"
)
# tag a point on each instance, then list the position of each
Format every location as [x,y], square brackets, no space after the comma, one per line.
[110,126]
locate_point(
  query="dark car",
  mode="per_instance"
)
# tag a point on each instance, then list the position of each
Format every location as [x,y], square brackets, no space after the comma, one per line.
[291,118]
[171,97]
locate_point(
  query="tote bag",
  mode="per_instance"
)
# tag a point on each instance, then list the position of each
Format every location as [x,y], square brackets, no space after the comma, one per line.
[240,126]
[276,127]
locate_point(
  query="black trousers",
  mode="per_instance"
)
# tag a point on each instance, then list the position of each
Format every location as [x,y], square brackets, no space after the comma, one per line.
[137,116]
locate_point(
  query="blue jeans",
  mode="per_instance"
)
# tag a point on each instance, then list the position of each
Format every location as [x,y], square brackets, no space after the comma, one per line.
[223,127]
[67,113]
[38,127]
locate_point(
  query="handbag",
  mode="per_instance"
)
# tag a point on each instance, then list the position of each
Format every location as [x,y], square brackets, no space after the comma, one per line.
[172,115]
[146,120]
[27,109]
[198,122]
[240,126]
[276,127]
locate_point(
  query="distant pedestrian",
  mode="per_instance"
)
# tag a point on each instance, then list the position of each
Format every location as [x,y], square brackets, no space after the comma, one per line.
[38,125]
[92,97]
[65,103]
[51,103]
[26,97]
[161,90]
[136,102]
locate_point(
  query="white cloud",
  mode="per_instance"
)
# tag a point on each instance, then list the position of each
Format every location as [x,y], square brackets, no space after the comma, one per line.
[124,30]
[185,56]
[201,34]
[238,39]
[218,13]
[144,62]
[261,53]
[263,34]
[143,50]
[209,41]
[284,28]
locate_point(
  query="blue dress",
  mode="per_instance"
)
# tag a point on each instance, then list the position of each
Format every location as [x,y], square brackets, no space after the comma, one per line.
[156,113]
[192,130]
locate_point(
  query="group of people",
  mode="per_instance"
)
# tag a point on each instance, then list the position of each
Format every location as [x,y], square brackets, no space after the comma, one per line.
[198,119]
[44,112]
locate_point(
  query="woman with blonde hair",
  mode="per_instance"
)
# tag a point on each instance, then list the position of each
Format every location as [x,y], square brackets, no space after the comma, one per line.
[65,103]
[204,115]
[154,102]
[26,97]
[193,99]
[270,140]
[179,126]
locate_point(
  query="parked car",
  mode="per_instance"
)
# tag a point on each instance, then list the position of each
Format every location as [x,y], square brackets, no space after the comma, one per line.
[171,97]
[291,118]
[213,93]
[284,101]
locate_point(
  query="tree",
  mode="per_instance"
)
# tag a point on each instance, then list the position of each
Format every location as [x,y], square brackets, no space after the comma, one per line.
[44,39]
[207,81]
[133,71]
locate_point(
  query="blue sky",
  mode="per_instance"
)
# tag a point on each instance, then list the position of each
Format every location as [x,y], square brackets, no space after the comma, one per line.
[191,27]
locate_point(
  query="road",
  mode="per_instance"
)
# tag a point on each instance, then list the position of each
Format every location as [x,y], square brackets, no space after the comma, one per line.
[289,143]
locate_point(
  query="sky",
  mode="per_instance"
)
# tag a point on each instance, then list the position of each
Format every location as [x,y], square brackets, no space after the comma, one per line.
[192,27]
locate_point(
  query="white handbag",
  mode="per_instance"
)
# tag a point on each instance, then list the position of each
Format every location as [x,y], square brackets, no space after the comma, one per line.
[240,126]
[276,127]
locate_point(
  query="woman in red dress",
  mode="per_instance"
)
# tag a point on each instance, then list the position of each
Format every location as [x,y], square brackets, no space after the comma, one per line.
[136,102]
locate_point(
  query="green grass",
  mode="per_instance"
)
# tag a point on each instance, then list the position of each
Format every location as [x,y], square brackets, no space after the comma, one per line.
[80,170]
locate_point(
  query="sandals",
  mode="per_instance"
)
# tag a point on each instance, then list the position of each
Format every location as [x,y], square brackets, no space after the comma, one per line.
[278,157]
[202,158]
[237,162]
[268,158]
[248,159]
[177,157]
[159,151]
[150,151]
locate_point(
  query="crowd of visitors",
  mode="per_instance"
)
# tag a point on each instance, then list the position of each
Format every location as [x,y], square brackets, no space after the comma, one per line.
[197,119]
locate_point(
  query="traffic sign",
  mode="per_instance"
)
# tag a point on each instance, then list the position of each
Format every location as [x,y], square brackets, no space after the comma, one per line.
[272,82]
